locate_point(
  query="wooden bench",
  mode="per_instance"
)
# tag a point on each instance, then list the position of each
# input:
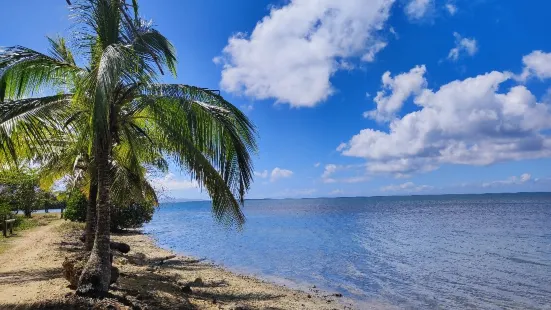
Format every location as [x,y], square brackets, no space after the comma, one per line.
[7,223]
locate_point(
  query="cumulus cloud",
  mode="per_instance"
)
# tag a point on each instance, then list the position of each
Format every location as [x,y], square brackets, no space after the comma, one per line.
[170,183]
[293,52]
[417,9]
[536,64]
[369,56]
[452,8]
[279,173]
[408,187]
[331,169]
[514,180]
[467,122]
[396,91]
[462,46]
[328,172]
[261,174]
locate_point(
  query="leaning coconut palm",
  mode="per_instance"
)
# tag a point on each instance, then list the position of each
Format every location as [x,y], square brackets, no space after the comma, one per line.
[130,113]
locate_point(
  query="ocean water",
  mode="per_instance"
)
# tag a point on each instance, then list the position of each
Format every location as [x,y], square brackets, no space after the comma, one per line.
[421,252]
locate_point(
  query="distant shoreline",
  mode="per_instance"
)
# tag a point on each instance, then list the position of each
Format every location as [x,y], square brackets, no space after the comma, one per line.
[372,197]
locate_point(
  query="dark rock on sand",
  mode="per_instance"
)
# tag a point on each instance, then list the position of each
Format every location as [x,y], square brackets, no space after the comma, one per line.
[186,289]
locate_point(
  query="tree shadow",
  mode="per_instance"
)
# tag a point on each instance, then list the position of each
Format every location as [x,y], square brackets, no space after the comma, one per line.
[30,276]
[157,291]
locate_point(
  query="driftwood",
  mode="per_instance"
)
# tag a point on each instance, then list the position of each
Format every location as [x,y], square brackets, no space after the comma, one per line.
[119,246]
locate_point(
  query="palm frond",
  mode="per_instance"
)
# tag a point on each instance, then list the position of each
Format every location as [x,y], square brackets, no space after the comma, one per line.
[25,72]
[30,125]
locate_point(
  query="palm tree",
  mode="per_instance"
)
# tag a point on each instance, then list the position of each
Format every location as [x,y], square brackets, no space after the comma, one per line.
[131,113]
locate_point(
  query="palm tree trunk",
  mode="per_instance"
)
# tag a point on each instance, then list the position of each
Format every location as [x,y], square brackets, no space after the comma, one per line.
[90,229]
[96,276]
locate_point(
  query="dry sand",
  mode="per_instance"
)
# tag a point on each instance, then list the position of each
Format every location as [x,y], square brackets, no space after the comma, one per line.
[151,278]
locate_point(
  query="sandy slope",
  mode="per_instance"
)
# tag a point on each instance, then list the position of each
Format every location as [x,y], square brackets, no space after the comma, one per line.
[30,272]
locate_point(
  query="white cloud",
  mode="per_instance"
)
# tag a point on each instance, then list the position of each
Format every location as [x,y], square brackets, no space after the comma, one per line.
[328,172]
[393,31]
[452,8]
[514,180]
[336,192]
[373,50]
[262,174]
[331,169]
[292,53]
[317,164]
[536,64]
[279,173]
[417,9]
[408,187]
[401,88]
[170,183]
[462,45]
[467,122]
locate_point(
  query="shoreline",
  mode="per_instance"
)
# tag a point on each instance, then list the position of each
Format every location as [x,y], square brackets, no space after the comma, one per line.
[271,294]
[150,277]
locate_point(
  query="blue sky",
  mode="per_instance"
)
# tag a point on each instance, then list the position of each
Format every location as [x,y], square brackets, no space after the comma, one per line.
[360,97]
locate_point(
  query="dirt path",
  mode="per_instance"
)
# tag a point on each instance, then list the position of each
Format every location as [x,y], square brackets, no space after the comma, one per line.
[30,270]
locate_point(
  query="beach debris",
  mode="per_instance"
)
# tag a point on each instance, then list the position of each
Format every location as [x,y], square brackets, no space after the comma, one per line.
[72,268]
[338,295]
[309,296]
[119,246]
[187,289]
[137,259]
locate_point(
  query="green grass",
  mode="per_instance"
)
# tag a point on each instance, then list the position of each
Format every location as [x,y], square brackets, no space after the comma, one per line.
[68,227]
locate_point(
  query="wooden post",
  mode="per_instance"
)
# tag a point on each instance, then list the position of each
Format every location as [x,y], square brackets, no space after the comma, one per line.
[5,226]
[11,227]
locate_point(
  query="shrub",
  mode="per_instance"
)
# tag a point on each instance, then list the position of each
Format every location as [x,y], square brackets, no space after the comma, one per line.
[132,216]
[76,207]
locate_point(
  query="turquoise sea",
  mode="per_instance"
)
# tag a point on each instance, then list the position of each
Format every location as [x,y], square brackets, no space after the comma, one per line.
[421,252]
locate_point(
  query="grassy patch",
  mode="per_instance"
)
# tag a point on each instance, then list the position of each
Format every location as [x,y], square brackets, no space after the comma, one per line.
[43,219]
[69,227]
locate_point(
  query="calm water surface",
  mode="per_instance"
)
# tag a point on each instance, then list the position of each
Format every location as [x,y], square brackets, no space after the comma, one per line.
[440,252]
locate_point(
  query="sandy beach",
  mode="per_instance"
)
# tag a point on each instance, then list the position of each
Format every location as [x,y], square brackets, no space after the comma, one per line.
[31,277]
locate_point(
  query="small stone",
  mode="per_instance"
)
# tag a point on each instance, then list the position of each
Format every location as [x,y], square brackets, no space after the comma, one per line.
[309,296]
[198,282]
[338,295]
[314,286]
[214,300]
[186,289]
